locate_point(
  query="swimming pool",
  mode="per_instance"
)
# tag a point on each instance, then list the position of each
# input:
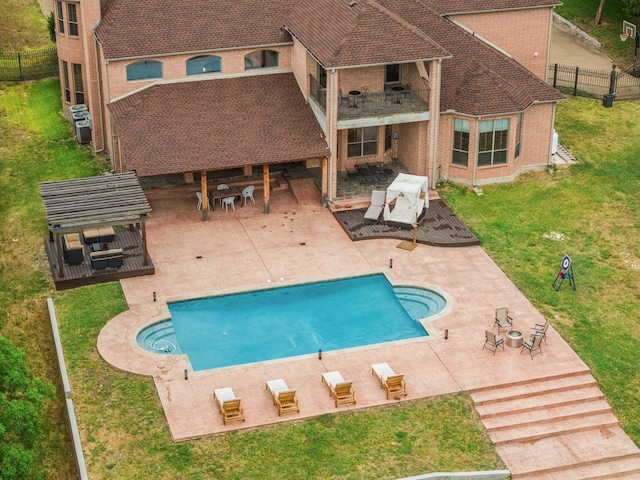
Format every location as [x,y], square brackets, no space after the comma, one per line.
[289,321]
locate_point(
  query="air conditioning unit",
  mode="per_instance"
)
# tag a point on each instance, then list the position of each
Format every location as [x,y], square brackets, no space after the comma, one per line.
[79,116]
[83,131]
[81,107]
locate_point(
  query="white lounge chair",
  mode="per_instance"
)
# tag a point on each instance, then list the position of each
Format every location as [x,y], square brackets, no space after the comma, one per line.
[392,382]
[229,405]
[376,206]
[341,390]
[283,397]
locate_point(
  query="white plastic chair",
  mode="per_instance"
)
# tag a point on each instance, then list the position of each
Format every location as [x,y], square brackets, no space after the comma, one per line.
[248,193]
[222,186]
[226,201]
[199,195]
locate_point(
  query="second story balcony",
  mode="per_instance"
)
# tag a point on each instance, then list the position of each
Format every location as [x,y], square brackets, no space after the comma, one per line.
[358,104]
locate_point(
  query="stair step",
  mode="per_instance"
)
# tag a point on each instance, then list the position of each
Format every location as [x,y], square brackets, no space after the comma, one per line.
[526,389]
[524,419]
[581,393]
[609,447]
[624,466]
[540,430]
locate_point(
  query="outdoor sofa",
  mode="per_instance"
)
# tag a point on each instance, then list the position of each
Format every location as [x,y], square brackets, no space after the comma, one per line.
[107,259]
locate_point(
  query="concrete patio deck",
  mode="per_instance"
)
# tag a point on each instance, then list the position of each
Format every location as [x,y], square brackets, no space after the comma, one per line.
[299,241]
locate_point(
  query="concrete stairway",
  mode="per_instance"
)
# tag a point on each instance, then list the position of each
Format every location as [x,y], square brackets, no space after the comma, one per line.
[557,427]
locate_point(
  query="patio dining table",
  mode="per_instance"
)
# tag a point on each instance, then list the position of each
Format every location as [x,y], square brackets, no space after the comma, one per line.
[220,194]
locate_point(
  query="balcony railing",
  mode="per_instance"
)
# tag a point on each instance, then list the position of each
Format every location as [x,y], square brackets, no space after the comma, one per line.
[373,104]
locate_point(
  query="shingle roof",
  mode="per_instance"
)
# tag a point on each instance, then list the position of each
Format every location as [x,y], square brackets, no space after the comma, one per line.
[444,7]
[157,27]
[215,124]
[478,80]
[347,33]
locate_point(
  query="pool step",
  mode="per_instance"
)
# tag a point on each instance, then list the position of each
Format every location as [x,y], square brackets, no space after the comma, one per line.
[418,302]
[155,337]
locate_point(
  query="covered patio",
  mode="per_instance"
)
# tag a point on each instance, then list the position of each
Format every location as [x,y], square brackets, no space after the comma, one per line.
[190,129]
[83,209]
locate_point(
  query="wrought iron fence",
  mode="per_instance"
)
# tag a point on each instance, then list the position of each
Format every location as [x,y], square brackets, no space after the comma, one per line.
[29,64]
[584,82]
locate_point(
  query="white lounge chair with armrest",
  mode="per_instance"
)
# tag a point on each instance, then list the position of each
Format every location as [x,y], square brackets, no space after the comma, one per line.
[376,206]
[341,390]
[283,397]
[392,382]
[229,405]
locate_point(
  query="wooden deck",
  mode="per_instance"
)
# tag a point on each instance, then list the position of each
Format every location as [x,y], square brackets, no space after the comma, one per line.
[82,274]
[439,227]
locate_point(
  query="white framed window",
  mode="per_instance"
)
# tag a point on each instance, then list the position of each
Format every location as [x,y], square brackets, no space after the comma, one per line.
[460,142]
[60,12]
[72,19]
[493,142]
[362,142]
[518,135]
[65,82]
[78,88]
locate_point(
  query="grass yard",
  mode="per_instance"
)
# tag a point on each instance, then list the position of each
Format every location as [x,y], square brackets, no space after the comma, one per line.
[594,205]
[124,431]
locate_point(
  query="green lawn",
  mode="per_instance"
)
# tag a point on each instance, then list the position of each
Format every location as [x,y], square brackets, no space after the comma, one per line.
[593,204]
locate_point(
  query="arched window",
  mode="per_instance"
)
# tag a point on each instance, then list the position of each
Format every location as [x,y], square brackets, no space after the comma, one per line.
[144,69]
[261,59]
[204,64]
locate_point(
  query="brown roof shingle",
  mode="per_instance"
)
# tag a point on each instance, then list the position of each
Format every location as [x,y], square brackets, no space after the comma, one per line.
[159,27]
[216,124]
[345,33]
[478,79]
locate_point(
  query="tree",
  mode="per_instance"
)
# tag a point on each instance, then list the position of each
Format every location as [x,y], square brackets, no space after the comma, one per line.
[21,403]
[599,13]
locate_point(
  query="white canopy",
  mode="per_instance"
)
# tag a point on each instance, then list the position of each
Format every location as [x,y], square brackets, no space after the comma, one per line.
[410,186]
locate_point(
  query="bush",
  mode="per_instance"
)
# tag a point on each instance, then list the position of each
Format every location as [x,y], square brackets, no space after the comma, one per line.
[21,404]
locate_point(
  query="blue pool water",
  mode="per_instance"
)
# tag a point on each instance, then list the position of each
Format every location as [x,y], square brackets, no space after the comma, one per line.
[288,321]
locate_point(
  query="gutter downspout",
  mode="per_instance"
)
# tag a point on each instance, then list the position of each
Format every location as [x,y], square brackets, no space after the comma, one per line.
[475,152]
[435,117]
[553,121]
[95,46]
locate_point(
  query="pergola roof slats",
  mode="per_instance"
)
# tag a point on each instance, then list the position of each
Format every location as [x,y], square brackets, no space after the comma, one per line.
[103,200]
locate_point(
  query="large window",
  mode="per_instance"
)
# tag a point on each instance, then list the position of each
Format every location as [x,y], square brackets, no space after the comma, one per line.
[203,64]
[65,81]
[393,74]
[72,17]
[144,70]
[60,10]
[362,142]
[493,142]
[460,142]
[261,59]
[78,87]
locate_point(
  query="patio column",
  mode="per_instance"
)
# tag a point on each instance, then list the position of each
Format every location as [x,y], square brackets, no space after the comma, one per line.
[265,183]
[145,252]
[205,195]
[325,182]
[59,252]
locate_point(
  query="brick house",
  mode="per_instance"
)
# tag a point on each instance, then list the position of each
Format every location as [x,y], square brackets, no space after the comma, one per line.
[453,89]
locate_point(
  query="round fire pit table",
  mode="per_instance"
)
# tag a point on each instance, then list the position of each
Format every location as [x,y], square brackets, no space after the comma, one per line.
[514,339]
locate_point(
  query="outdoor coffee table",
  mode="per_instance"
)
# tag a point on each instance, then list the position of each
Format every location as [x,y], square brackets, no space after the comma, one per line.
[514,339]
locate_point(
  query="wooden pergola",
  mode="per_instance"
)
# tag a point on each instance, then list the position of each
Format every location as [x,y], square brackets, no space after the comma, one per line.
[102,201]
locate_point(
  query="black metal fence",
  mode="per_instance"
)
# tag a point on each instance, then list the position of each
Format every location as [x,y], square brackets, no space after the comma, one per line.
[584,82]
[29,64]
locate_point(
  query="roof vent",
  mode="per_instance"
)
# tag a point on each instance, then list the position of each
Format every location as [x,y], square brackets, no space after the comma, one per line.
[352,4]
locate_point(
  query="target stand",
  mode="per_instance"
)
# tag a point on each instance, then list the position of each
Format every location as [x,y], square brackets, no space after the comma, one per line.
[566,272]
